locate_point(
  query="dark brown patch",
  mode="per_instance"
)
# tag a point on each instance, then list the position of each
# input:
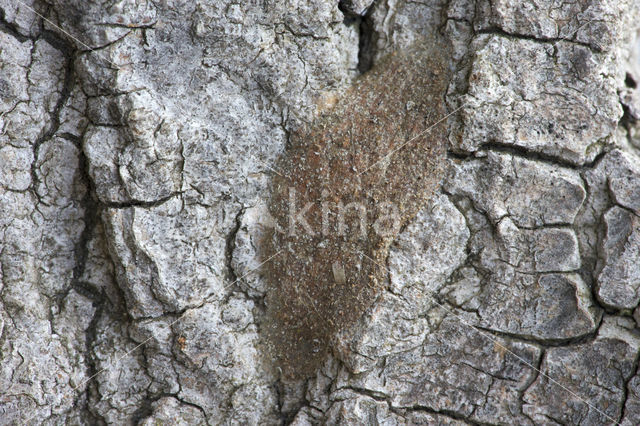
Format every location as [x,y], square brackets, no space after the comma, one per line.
[322,284]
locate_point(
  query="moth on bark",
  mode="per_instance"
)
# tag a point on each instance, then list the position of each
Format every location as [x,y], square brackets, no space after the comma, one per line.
[349,182]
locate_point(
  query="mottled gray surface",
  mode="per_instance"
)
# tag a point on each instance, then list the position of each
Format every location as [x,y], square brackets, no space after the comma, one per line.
[137,141]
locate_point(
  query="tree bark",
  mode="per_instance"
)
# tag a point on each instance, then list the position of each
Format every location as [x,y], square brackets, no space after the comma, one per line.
[140,144]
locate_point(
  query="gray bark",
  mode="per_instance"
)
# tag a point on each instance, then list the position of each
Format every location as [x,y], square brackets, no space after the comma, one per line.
[138,142]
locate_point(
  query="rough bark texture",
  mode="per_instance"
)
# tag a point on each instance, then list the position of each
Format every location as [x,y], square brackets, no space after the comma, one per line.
[138,145]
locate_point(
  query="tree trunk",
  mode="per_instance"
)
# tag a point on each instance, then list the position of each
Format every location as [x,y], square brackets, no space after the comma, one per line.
[142,147]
